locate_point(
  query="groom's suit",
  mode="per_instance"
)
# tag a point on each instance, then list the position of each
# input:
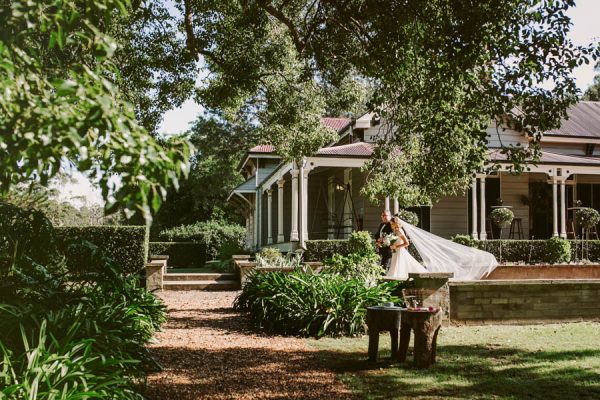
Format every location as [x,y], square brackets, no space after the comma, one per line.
[385,252]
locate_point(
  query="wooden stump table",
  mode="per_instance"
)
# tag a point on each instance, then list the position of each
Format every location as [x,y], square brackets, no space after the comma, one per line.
[425,325]
[380,319]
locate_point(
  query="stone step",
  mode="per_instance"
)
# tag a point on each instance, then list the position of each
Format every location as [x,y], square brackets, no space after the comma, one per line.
[213,276]
[201,285]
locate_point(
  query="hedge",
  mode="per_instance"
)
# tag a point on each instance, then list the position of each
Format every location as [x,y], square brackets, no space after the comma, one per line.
[181,254]
[551,251]
[126,245]
[220,239]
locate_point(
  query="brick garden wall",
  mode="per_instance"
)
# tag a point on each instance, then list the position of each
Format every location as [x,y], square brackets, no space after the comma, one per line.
[524,301]
[567,271]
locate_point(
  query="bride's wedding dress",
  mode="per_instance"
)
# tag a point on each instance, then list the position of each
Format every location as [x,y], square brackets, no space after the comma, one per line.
[402,263]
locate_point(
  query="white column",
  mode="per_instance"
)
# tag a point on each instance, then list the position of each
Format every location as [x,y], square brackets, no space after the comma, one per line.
[269,216]
[482,233]
[396,206]
[554,208]
[294,230]
[280,237]
[563,207]
[387,203]
[474,234]
[304,204]
[348,215]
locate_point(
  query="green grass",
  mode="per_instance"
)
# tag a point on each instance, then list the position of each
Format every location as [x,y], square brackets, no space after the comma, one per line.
[558,361]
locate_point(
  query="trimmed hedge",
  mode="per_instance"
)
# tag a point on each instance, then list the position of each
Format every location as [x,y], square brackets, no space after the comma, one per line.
[127,246]
[551,251]
[221,240]
[321,250]
[591,250]
[181,254]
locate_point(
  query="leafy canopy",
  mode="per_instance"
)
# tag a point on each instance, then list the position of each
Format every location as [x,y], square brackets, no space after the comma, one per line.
[59,102]
[593,92]
[440,71]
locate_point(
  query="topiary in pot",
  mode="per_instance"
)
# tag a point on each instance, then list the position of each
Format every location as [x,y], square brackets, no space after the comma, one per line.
[587,217]
[502,217]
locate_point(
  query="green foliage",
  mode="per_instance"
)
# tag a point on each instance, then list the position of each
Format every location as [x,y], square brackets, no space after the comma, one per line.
[465,240]
[127,246]
[308,304]
[73,332]
[551,251]
[502,217]
[181,254]
[269,254]
[587,217]
[213,174]
[408,216]
[361,243]
[592,93]
[220,238]
[321,250]
[278,262]
[362,267]
[60,103]
[439,70]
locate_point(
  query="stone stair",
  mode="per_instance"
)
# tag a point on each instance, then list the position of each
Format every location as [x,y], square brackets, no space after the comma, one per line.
[200,281]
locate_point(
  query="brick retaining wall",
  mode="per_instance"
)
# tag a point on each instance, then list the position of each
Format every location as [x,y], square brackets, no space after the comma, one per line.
[477,302]
[566,271]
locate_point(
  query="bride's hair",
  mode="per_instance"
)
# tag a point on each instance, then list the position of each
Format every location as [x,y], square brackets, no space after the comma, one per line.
[396,221]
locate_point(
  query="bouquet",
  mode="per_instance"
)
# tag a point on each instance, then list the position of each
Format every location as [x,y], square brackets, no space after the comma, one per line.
[389,239]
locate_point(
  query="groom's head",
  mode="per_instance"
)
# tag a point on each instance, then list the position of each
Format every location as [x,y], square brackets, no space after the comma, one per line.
[386,215]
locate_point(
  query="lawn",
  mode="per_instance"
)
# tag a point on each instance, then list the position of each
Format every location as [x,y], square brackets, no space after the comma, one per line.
[558,361]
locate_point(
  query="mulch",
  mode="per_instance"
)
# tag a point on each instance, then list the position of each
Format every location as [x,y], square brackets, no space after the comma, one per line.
[207,350]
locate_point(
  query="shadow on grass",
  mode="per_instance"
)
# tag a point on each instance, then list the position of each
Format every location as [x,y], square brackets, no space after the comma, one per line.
[468,372]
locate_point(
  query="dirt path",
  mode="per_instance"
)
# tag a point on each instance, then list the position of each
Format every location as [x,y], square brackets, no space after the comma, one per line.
[207,351]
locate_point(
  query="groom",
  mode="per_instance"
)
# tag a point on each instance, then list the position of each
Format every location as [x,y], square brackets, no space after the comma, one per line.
[384,229]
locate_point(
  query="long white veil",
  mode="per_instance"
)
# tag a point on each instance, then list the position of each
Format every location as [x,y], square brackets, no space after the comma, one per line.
[443,255]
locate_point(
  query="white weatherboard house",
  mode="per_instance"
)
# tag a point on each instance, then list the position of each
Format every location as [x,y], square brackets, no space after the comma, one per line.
[284,206]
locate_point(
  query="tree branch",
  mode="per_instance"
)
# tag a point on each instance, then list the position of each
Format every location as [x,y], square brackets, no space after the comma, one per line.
[281,17]
[189,29]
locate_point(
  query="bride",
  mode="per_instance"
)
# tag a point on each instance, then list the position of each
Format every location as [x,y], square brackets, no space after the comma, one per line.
[402,262]
[438,255]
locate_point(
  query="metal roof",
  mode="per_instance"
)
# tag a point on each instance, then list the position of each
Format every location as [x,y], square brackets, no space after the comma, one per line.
[358,149]
[550,158]
[251,184]
[583,121]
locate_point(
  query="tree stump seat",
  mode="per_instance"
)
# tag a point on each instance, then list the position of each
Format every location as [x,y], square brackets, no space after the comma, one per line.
[425,325]
[381,319]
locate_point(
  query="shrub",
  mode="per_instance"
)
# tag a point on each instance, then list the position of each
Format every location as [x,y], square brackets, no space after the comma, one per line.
[181,254]
[502,217]
[127,246]
[360,243]
[551,251]
[587,217]
[321,250]
[465,240]
[220,239]
[309,304]
[408,216]
[269,254]
[365,268]
[290,261]
[78,334]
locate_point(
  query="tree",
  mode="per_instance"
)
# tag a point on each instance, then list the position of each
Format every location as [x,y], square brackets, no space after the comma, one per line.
[60,102]
[441,70]
[593,92]
[213,173]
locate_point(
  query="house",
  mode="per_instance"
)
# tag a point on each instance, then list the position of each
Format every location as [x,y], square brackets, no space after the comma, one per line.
[284,205]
